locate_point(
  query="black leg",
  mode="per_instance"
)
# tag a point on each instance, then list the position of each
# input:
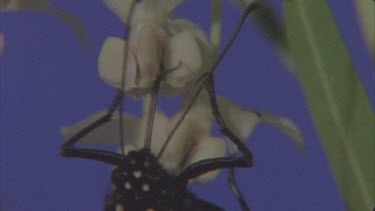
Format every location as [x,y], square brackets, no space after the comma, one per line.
[204,166]
[224,129]
[237,141]
[236,190]
[207,165]
[153,105]
[69,150]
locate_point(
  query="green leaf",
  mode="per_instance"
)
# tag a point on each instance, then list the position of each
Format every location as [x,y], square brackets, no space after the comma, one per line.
[272,25]
[340,107]
[366,13]
[216,25]
[23,4]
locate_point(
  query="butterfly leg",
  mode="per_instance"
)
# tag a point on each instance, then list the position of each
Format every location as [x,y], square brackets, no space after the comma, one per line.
[237,141]
[248,157]
[69,150]
[236,190]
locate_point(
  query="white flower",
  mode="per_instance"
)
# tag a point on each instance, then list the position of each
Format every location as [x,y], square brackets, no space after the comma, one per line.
[191,142]
[156,43]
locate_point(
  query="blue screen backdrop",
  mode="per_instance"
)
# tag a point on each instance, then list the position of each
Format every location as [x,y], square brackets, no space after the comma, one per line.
[48,81]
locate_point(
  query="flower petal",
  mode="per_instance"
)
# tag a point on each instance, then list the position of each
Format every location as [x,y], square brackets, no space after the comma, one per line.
[189,51]
[147,50]
[111,61]
[177,148]
[286,126]
[240,121]
[183,52]
[200,113]
[121,8]
[105,134]
[169,5]
[154,42]
[206,148]
[135,134]
[184,25]
[144,60]
[171,159]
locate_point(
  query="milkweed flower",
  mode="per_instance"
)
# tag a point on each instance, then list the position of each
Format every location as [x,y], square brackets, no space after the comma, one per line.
[156,43]
[191,142]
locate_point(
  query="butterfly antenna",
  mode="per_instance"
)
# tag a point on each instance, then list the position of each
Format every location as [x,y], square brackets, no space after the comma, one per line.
[151,113]
[121,89]
[152,107]
[249,8]
[204,78]
[173,131]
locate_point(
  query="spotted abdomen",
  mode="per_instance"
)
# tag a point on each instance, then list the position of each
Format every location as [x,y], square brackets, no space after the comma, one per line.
[140,183]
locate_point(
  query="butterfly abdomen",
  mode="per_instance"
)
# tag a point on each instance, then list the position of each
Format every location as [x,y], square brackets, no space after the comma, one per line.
[140,183]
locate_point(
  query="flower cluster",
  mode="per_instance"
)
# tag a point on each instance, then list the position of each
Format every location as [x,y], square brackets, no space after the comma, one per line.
[158,43]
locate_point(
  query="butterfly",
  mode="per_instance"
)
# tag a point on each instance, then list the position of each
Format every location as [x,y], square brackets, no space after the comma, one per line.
[140,181]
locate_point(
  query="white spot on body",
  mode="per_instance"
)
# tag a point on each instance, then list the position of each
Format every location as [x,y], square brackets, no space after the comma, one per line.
[128,186]
[119,207]
[132,161]
[137,173]
[146,187]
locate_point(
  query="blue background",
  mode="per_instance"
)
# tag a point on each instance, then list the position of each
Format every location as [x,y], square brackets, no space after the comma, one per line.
[48,80]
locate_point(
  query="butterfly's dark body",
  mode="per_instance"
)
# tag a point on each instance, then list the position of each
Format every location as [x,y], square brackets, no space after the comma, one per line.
[140,183]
